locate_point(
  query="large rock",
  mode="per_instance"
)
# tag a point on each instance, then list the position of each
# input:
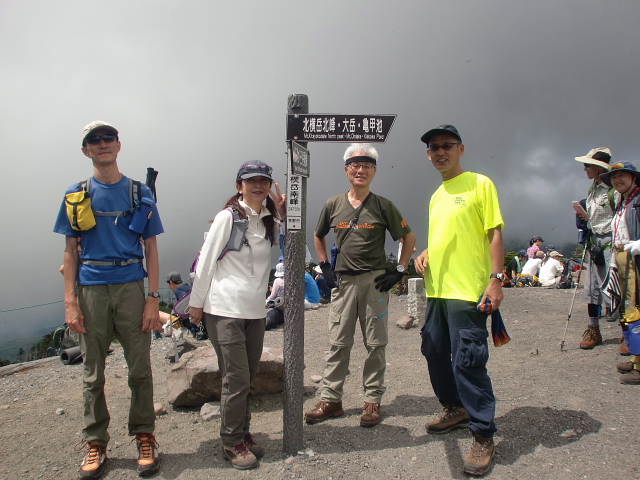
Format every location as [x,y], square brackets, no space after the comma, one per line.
[182,346]
[196,378]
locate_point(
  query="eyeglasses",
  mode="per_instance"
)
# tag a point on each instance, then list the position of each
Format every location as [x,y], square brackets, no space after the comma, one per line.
[363,166]
[261,169]
[106,138]
[445,146]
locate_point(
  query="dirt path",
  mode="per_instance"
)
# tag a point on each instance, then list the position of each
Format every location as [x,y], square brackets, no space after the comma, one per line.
[559,415]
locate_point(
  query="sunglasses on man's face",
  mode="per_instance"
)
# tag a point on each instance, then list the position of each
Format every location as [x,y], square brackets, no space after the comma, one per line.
[106,138]
[445,146]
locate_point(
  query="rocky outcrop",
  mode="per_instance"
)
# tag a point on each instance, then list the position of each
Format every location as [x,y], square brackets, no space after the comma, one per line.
[196,380]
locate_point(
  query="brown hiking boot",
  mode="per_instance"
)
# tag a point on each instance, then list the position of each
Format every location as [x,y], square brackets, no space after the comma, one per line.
[240,457]
[370,415]
[625,367]
[324,410]
[631,378]
[479,460]
[94,461]
[253,446]
[624,349]
[590,338]
[452,417]
[148,457]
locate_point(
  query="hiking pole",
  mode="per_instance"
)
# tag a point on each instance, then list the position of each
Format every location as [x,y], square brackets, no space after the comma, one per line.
[575,290]
[151,182]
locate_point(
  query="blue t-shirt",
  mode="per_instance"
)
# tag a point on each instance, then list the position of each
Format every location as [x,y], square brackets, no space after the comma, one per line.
[181,291]
[311,292]
[111,239]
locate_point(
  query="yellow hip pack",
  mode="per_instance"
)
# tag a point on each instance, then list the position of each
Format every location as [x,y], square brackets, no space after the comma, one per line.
[79,210]
[81,214]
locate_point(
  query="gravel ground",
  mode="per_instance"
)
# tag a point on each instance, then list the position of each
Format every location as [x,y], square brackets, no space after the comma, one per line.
[559,414]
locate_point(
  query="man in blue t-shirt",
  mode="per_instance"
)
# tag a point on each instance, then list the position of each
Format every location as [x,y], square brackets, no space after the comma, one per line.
[105,294]
[174,280]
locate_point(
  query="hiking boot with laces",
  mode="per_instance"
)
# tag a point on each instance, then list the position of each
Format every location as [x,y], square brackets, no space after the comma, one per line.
[479,460]
[625,367]
[624,348]
[240,457]
[631,378]
[148,457]
[94,461]
[324,410]
[370,415]
[590,338]
[452,417]
[253,446]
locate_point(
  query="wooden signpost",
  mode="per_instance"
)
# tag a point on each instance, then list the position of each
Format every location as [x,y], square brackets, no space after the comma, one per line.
[303,127]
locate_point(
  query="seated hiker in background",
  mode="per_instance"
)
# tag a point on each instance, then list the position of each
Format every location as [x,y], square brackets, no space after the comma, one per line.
[534,246]
[275,301]
[180,290]
[532,267]
[311,292]
[277,289]
[514,267]
[551,269]
[530,271]
[323,288]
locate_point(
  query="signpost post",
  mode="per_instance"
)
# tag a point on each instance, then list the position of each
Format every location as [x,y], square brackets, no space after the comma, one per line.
[295,250]
[303,127]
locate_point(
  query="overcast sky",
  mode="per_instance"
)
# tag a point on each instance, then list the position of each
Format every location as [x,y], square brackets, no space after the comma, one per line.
[196,88]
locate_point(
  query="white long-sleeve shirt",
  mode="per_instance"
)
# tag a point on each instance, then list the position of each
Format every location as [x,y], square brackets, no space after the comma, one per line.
[234,286]
[549,270]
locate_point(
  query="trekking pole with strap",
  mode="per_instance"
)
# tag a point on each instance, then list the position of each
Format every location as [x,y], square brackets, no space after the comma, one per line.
[575,290]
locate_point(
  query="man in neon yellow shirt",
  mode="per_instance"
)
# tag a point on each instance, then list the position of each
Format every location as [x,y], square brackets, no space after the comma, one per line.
[462,267]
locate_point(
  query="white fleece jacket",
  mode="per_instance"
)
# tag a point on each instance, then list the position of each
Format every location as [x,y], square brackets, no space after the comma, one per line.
[236,285]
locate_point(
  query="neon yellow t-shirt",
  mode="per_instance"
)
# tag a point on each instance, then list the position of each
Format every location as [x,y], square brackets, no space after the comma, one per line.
[461,213]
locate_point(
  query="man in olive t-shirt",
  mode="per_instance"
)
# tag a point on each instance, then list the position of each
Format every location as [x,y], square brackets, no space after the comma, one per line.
[360,282]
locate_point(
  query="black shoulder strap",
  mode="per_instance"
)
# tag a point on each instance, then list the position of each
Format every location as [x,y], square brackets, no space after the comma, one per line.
[354,220]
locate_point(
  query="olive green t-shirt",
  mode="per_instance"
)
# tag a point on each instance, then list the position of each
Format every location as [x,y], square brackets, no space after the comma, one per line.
[364,248]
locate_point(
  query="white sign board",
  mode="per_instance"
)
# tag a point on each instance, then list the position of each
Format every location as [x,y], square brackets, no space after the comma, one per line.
[294,203]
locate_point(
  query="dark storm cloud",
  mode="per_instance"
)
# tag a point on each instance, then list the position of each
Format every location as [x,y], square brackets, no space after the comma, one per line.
[197,88]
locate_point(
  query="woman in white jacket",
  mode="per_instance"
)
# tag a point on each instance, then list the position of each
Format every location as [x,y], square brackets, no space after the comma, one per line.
[228,294]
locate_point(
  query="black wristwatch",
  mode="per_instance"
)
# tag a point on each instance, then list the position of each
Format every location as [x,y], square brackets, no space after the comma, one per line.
[153,295]
[500,276]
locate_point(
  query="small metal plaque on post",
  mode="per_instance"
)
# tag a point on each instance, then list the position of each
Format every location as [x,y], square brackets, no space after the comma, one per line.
[300,161]
[325,127]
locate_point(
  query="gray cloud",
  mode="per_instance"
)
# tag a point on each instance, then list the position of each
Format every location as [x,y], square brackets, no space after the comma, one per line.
[197,88]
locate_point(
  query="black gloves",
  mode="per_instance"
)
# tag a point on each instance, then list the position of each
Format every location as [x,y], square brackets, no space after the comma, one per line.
[328,274]
[387,280]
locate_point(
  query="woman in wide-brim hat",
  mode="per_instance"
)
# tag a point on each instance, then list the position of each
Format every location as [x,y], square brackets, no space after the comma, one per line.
[228,293]
[625,178]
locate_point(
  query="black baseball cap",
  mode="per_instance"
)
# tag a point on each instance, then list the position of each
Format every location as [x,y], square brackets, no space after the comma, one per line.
[450,129]
[254,168]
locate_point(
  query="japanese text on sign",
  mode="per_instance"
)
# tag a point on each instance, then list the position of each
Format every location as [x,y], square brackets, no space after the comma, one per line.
[339,128]
[294,203]
[300,164]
